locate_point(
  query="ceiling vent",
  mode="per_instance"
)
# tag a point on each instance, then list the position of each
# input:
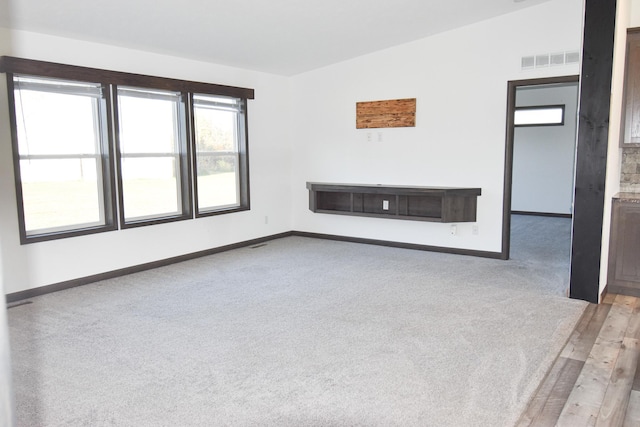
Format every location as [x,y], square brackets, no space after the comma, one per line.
[546,60]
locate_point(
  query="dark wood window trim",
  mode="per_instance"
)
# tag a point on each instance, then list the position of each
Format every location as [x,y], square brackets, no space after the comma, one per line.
[111,156]
[243,163]
[10,64]
[183,170]
[108,175]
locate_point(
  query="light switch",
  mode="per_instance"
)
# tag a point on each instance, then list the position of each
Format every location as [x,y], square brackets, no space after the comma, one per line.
[385,205]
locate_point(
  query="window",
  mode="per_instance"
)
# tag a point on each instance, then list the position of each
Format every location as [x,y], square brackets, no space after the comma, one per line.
[176,149]
[152,149]
[547,115]
[219,126]
[61,143]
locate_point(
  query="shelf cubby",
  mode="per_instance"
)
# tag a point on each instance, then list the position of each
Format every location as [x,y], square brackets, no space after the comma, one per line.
[437,204]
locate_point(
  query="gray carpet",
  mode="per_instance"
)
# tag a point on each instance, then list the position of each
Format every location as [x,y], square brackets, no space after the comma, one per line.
[298,332]
[541,246]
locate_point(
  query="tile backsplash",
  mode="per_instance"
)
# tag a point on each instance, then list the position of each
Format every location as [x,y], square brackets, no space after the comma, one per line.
[630,170]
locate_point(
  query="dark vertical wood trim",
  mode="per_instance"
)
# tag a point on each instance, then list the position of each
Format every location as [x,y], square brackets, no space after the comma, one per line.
[593,129]
[117,151]
[245,191]
[512,86]
[192,148]
[16,157]
[508,171]
[108,162]
[185,156]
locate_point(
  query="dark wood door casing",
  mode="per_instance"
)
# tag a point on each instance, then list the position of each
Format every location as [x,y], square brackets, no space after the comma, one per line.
[512,87]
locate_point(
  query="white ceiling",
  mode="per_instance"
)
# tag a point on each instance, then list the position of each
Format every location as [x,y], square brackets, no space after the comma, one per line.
[276,36]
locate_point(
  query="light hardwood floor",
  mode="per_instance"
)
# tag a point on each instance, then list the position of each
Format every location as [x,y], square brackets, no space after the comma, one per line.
[595,380]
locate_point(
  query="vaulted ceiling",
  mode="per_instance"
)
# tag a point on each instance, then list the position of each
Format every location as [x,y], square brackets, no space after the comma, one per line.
[284,37]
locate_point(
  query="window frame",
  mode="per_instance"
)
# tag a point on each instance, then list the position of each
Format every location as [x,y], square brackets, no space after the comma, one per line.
[106,164]
[539,107]
[243,162]
[111,157]
[184,168]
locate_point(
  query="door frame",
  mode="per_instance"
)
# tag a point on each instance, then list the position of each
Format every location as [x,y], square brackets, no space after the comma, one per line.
[599,19]
[512,86]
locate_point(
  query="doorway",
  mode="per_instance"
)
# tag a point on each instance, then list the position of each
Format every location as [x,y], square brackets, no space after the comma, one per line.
[539,170]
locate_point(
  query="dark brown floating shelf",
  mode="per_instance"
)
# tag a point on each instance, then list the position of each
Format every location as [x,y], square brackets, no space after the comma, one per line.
[438,204]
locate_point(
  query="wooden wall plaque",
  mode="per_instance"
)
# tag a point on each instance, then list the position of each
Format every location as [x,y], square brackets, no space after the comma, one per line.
[394,113]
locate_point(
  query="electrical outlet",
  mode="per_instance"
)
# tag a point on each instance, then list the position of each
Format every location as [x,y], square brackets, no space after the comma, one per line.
[453,230]
[385,205]
[369,137]
[380,138]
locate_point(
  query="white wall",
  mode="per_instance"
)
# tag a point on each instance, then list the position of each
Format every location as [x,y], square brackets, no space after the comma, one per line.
[544,156]
[6,392]
[460,81]
[38,264]
[6,389]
